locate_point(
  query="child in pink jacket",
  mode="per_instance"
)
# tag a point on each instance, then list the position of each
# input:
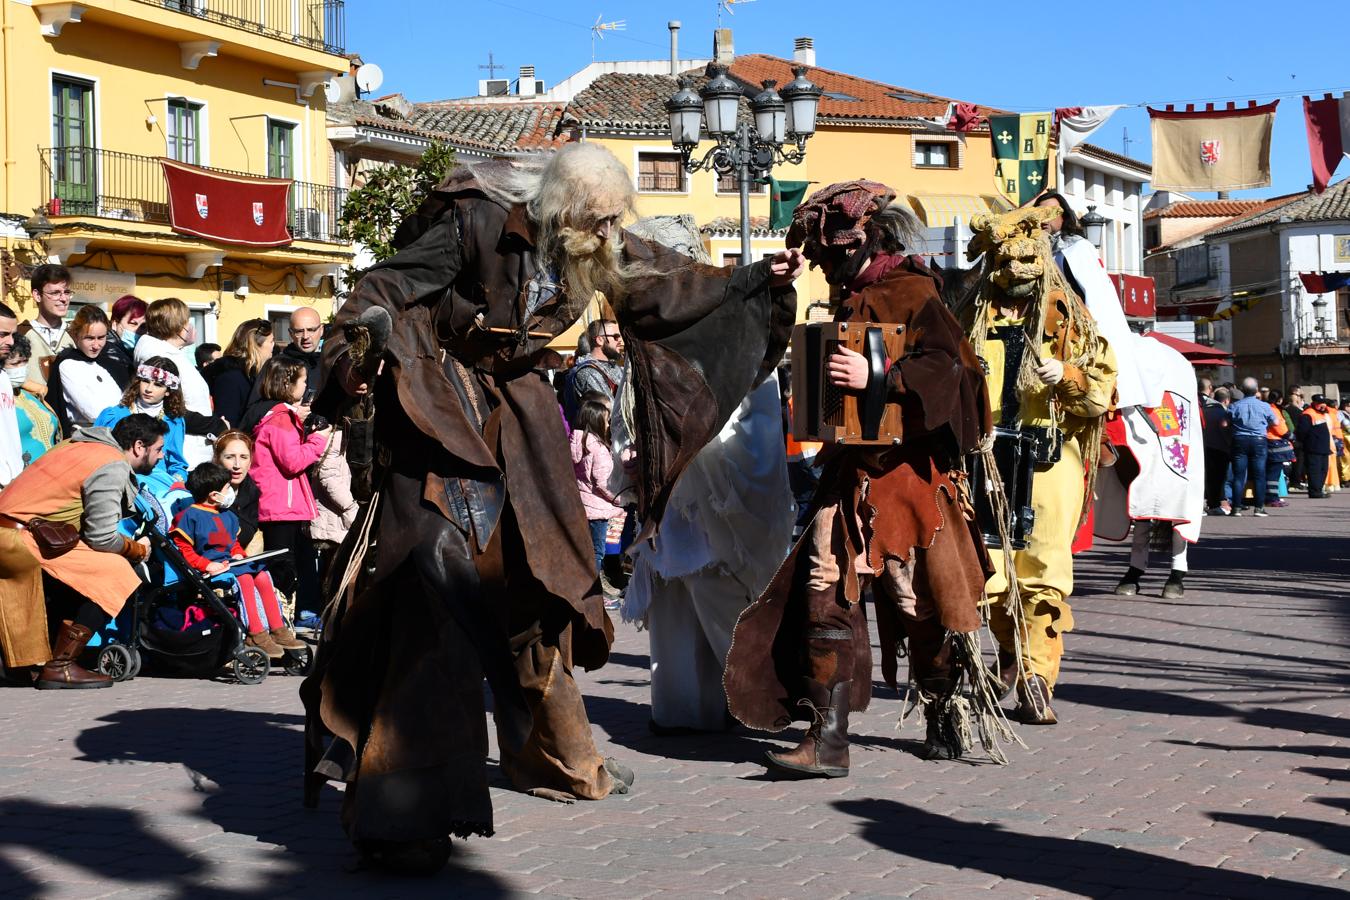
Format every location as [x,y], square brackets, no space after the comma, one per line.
[281,455]
[593,463]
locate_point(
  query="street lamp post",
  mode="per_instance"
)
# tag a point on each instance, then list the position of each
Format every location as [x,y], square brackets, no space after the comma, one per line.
[750,150]
[1093,224]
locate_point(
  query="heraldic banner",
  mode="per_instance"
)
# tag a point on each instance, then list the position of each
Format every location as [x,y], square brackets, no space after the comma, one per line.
[1021,155]
[233,209]
[1212,149]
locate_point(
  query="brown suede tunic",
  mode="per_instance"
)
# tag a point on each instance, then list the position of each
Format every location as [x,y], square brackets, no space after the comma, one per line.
[905,498]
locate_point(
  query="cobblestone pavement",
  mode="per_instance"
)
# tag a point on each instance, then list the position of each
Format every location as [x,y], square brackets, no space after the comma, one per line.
[1203,749]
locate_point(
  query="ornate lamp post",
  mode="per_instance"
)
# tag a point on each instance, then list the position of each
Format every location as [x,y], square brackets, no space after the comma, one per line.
[1093,225]
[781,117]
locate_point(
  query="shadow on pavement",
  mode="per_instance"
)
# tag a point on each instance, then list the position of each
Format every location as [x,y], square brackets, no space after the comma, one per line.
[1084,867]
[247,767]
[100,840]
[1146,701]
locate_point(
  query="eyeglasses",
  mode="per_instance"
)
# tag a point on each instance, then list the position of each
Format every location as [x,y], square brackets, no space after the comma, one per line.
[55,294]
[613,337]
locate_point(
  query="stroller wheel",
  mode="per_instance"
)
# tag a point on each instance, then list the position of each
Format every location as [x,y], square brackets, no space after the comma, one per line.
[299,662]
[116,661]
[251,666]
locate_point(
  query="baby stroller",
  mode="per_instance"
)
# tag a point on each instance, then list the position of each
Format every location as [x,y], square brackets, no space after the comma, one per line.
[159,624]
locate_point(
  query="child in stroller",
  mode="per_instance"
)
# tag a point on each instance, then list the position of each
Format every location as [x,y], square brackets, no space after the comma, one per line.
[206,533]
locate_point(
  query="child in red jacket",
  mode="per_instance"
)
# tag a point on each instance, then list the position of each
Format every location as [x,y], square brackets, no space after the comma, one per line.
[207,534]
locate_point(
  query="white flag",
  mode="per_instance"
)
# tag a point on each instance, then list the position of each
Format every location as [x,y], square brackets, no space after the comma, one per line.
[1077,123]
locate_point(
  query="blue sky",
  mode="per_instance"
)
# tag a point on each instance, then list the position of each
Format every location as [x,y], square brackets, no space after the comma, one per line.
[1016,56]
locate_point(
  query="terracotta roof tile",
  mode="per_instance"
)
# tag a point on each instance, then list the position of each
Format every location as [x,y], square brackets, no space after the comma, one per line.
[498,127]
[501,127]
[846,96]
[1204,209]
[636,102]
[1305,206]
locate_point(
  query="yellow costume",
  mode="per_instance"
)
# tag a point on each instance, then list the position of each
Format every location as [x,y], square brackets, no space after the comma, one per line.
[1024,305]
[1045,567]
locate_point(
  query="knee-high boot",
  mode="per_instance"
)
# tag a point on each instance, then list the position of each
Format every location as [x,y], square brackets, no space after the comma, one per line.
[823,751]
[935,678]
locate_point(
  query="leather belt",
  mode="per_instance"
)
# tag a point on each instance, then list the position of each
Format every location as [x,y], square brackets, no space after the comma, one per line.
[11,522]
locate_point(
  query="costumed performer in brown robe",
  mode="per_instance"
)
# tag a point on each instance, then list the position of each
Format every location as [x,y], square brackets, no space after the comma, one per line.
[895,516]
[1050,371]
[481,562]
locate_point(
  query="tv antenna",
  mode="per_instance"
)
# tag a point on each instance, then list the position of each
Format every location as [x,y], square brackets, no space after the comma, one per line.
[1125,141]
[727,4]
[599,28]
[491,66]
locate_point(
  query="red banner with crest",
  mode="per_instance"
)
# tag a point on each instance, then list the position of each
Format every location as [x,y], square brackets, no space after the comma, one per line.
[233,209]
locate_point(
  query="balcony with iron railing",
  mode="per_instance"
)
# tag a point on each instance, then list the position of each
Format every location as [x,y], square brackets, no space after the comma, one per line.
[317,24]
[127,187]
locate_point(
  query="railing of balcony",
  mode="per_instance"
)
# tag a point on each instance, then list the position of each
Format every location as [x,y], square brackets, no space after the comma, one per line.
[107,184]
[317,24]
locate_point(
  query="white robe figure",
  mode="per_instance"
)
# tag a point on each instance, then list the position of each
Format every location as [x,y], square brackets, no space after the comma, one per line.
[1156,398]
[1079,258]
[725,532]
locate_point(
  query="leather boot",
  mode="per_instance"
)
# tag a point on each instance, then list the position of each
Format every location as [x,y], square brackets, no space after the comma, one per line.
[823,752]
[1175,588]
[263,641]
[1033,702]
[63,671]
[284,638]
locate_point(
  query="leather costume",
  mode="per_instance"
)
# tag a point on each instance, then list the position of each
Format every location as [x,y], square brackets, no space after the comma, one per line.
[482,564]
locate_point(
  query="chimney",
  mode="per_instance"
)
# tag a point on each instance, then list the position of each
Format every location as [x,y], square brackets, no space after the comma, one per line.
[804,51]
[674,26]
[525,87]
[723,51]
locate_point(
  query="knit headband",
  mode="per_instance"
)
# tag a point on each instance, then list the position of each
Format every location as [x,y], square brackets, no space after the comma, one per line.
[158,376]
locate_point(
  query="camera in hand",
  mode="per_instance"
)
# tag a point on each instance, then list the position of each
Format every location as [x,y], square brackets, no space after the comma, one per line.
[316,422]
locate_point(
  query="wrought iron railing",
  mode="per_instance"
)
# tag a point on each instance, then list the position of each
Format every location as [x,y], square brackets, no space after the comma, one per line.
[317,24]
[107,184]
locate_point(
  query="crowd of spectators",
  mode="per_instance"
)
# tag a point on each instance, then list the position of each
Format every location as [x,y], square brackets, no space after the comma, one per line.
[132,389]
[1261,445]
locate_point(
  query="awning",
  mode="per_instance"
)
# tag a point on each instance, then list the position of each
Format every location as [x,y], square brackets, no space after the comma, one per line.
[1196,354]
[941,210]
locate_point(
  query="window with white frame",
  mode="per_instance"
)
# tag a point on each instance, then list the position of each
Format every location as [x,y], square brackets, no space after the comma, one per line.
[183,130]
[660,173]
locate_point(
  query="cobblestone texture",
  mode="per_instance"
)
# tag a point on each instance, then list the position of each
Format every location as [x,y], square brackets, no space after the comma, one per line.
[1202,750]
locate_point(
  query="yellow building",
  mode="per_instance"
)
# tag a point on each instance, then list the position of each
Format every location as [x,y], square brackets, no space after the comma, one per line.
[95,93]
[865,129]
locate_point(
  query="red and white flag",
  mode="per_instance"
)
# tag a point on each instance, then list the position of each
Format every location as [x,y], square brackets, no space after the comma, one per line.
[1212,149]
[1076,124]
[1328,122]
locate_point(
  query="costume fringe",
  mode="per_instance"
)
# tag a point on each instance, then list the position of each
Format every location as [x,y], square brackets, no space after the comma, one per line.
[969,709]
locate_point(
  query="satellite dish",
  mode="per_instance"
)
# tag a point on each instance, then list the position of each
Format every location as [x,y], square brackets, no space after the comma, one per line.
[340,89]
[369,77]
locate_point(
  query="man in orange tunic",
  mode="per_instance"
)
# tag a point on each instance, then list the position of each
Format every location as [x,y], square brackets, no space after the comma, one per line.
[84,483]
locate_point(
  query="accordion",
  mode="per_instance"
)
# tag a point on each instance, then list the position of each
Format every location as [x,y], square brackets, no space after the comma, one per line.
[823,412]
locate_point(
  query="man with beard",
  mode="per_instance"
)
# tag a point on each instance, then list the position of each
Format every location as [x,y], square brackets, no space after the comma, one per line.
[602,369]
[482,563]
[894,516]
[82,487]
